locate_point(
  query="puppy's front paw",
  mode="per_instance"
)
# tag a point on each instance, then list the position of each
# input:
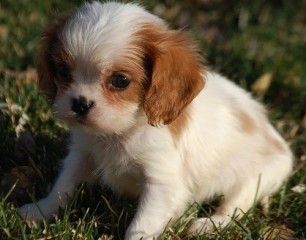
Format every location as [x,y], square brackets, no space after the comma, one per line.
[30,212]
[208,225]
[143,235]
[38,211]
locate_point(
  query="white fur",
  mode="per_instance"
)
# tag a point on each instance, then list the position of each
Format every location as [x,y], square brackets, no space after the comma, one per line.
[213,155]
[109,25]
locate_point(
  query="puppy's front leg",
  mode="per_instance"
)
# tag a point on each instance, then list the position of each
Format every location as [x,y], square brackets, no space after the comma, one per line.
[159,204]
[77,168]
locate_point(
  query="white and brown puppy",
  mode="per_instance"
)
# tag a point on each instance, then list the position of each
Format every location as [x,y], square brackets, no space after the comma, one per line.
[148,119]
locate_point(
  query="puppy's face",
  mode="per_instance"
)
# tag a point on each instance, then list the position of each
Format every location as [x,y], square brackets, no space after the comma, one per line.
[109,66]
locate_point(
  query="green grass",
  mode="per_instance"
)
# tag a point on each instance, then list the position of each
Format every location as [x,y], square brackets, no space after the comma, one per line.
[242,39]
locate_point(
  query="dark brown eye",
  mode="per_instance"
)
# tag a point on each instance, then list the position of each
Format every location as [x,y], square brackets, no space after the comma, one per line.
[120,82]
[63,71]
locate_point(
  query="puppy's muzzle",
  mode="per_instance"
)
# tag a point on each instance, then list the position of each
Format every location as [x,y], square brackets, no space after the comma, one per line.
[81,106]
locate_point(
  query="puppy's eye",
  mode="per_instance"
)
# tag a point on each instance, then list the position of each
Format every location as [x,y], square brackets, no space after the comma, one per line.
[119,81]
[63,71]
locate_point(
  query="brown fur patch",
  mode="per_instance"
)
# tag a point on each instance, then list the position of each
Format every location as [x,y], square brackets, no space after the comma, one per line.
[50,48]
[179,124]
[247,123]
[176,70]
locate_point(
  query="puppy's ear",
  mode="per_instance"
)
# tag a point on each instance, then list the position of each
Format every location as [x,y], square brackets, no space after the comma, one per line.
[176,74]
[45,64]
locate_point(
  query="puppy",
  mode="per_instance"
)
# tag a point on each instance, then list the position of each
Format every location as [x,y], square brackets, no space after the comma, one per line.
[148,119]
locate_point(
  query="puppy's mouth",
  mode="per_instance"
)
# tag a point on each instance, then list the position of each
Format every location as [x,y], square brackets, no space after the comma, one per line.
[80,119]
[73,119]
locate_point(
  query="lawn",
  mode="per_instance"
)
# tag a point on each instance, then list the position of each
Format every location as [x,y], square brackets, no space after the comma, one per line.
[259,44]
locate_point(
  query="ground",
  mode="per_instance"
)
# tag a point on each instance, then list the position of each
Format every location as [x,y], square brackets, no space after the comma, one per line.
[259,44]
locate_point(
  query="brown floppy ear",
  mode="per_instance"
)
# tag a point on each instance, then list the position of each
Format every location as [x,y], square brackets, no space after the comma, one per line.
[45,66]
[176,74]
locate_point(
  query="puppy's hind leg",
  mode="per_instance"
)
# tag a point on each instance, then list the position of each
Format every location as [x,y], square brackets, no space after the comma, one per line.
[266,179]
[234,205]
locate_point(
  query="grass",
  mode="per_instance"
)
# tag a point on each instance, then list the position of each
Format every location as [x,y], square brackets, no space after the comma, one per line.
[249,41]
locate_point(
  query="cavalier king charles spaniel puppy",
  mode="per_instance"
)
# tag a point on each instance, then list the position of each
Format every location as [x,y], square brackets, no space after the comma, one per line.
[148,119]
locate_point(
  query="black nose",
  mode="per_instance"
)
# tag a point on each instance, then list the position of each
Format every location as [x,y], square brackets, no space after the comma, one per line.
[81,106]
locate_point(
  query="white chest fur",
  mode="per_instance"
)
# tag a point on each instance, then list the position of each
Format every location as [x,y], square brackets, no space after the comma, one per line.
[114,167]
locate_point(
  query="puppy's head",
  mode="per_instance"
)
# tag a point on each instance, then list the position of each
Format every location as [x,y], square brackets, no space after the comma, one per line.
[108,66]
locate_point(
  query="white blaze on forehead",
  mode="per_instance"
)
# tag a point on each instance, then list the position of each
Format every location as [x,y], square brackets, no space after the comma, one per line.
[101,31]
